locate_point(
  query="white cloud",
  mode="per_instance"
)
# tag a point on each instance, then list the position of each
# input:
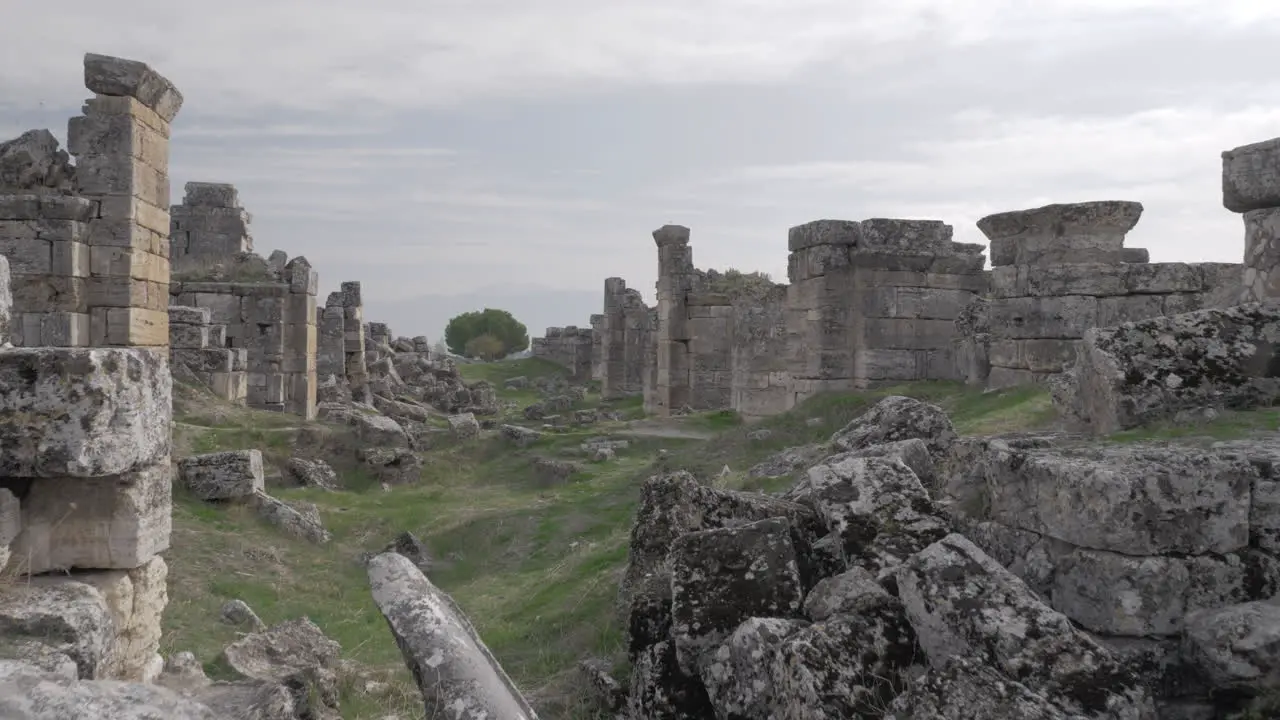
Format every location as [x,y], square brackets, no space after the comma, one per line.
[361,57]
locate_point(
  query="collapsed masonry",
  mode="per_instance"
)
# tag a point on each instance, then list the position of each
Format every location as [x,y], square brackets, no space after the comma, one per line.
[340,351]
[86,402]
[568,346]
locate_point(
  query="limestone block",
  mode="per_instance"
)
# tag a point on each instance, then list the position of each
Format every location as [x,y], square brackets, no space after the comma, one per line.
[1127,308]
[231,386]
[1064,317]
[64,329]
[203,360]
[67,616]
[1061,233]
[1038,356]
[115,76]
[1137,372]
[1135,500]
[817,261]
[823,232]
[136,600]
[999,378]
[83,412]
[1237,646]
[6,303]
[1117,594]
[1261,274]
[188,337]
[1251,176]
[1223,283]
[1094,279]
[914,237]
[118,521]
[907,333]
[129,327]
[222,475]
[1163,278]
[205,194]
[1135,255]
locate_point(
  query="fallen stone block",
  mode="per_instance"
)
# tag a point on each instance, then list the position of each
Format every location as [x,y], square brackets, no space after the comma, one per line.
[68,617]
[1237,647]
[295,654]
[312,472]
[660,689]
[116,522]
[291,520]
[1143,371]
[28,693]
[464,425]
[738,677]
[722,577]
[451,665]
[83,412]
[962,603]
[897,418]
[228,475]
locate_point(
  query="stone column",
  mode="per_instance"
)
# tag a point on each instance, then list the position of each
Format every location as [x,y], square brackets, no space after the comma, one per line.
[89,467]
[353,341]
[1251,186]
[1049,266]
[121,145]
[675,280]
[597,348]
[820,328]
[613,340]
[299,363]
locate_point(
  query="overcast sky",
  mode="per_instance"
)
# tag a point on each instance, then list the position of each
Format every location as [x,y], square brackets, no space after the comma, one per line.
[445,146]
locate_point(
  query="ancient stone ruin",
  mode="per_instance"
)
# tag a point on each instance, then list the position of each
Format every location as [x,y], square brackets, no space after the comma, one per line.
[86,406]
[341,350]
[199,346]
[567,346]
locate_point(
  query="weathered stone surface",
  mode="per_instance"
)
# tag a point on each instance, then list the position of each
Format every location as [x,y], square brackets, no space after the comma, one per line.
[897,418]
[723,576]
[849,593]
[1142,371]
[115,76]
[738,676]
[1260,277]
[1061,233]
[966,690]
[34,162]
[1236,646]
[1136,500]
[301,520]
[228,475]
[371,428]
[296,654]
[1251,176]
[914,453]
[83,412]
[457,675]
[69,617]
[238,613]
[312,472]
[659,689]
[136,599]
[6,304]
[27,693]
[962,603]
[847,666]
[464,425]
[876,506]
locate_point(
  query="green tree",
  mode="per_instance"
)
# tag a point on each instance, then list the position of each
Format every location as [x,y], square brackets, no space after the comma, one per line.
[486,347]
[510,333]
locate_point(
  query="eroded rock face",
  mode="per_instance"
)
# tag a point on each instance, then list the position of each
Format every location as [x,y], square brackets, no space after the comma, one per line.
[1143,371]
[457,675]
[99,411]
[897,418]
[69,618]
[962,603]
[1237,647]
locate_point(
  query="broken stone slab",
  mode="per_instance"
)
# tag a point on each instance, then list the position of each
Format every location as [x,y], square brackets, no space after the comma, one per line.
[301,521]
[108,75]
[114,522]
[294,654]
[1135,500]
[962,603]
[83,412]
[136,600]
[213,195]
[913,452]
[227,475]
[450,663]
[737,675]
[519,435]
[1251,176]
[1147,370]
[1236,646]
[238,613]
[28,693]
[846,666]
[723,576]
[897,418]
[370,428]
[965,690]
[69,617]
[312,472]
[1061,233]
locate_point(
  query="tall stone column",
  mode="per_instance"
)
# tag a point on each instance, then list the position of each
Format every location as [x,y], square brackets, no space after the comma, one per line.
[597,347]
[675,280]
[300,347]
[613,340]
[353,341]
[121,145]
[821,330]
[1251,186]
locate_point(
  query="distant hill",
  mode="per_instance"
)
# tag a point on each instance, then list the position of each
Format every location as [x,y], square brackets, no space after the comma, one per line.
[538,308]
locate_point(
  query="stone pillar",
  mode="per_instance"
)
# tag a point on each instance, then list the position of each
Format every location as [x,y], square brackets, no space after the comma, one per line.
[199,346]
[819,327]
[613,340]
[331,349]
[121,146]
[597,347]
[89,468]
[675,279]
[209,226]
[353,341]
[1048,264]
[1251,186]
[300,346]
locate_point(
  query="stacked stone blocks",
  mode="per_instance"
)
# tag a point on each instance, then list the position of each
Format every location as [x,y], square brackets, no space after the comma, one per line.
[209,226]
[567,346]
[623,335]
[342,346]
[201,346]
[1251,186]
[85,505]
[1061,270]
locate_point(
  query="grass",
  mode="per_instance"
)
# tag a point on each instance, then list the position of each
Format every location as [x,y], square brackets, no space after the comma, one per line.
[1227,425]
[534,565]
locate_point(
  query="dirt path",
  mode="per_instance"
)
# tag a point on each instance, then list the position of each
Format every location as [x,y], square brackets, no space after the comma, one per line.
[660,429]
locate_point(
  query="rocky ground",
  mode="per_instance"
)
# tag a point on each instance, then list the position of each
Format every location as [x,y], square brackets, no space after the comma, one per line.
[526,518]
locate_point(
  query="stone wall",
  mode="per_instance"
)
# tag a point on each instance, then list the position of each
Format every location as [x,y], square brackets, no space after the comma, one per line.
[209,226]
[760,379]
[85,410]
[341,345]
[275,322]
[1060,270]
[200,346]
[1251,186]
[568,346]
[623,338]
